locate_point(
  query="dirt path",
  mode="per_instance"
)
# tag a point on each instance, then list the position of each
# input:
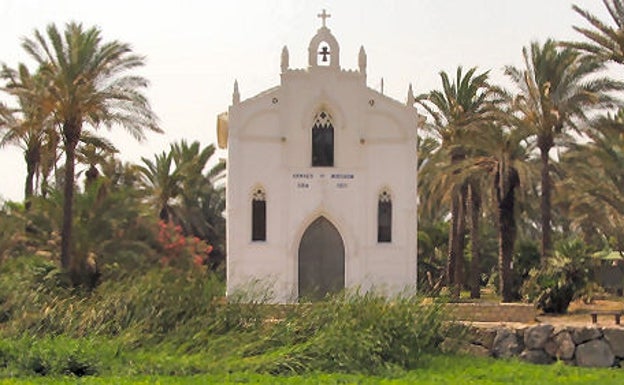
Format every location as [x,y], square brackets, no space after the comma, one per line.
[579,313]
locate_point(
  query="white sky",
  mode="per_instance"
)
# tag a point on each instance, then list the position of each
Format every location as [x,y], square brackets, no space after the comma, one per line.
[196,49]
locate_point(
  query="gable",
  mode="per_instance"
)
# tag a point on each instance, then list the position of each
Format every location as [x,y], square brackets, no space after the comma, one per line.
[382,125]
[263,124]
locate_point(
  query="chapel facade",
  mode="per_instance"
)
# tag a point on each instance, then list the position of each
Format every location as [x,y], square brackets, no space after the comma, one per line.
[321,182]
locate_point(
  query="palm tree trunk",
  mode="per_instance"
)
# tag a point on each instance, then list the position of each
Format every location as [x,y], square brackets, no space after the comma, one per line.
[460,242]
[71,135]
[33,157]
[456,233]
[28,187]
[505,250]
[475,241]
[506,232]
[545,204]
[452,247]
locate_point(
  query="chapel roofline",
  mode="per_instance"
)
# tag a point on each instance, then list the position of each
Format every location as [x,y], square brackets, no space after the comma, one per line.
[390,99]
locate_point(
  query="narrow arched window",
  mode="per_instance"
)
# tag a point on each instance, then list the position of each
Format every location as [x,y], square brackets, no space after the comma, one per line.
[384,218]
[258,216]
[323,141]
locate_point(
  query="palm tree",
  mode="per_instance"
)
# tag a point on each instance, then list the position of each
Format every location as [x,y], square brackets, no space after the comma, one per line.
[121,174]
[200,191]
[162,183]
[88,84]
[595,179]
[557,88]
[432,231]
[182,192]
[29,126]
[503,153]
[606,43]
[459,109]
[93,151]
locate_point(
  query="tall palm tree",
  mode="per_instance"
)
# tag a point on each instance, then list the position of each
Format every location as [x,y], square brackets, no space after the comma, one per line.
[89,85]
[459,109]
[606,42]
[503,153]
[475,212]
[432,232]
[595,179]
[28,126]
[557,88]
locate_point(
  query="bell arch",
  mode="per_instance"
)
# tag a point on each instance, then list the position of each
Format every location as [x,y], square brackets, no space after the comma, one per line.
[324,46]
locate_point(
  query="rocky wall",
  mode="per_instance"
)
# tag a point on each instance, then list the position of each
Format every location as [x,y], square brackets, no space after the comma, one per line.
[544,344]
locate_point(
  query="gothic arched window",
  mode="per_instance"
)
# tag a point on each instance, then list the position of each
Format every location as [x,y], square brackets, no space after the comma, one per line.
[384,218]
[258,215]
[322,141]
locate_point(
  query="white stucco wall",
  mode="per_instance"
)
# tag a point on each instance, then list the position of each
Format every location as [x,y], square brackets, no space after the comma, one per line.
[269,146]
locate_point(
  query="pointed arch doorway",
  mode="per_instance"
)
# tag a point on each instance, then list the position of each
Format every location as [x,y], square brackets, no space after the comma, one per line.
[321,261]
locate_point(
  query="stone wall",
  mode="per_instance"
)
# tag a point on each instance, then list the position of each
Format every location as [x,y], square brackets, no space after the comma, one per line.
[545,344]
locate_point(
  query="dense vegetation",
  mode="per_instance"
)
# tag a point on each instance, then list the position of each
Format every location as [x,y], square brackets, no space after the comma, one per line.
[172,320]
[115,268]
[487,163]
[487,171]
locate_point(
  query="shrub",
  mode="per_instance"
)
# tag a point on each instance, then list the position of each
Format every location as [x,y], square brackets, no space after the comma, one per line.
[35,300]
[168,321]
[179,250]
[561,280]
[52,356]
[350,333]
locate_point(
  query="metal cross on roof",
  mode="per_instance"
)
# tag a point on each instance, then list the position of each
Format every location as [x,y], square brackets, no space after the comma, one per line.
[324,15]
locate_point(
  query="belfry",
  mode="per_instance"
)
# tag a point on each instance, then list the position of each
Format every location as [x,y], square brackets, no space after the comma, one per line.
[321,182]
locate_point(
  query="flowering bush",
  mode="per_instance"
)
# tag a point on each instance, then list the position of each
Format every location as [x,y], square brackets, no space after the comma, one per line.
[178,248]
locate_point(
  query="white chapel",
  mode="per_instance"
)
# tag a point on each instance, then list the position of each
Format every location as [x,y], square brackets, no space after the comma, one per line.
[321,182]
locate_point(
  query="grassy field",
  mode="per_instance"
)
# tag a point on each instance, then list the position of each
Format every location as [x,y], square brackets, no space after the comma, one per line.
[167,326]
[439,370]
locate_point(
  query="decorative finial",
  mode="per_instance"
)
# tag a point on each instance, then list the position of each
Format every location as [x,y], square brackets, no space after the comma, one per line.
[235,94]
[285,59]
[362,60]
[324,15]
[410,96]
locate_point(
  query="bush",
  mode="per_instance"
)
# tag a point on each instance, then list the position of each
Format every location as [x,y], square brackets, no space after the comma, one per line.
[172,321]
[51,356]
[561,280]
[35,300]
[349,333]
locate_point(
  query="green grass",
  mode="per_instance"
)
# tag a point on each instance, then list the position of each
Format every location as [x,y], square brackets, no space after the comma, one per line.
[440,370]
[170,326]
